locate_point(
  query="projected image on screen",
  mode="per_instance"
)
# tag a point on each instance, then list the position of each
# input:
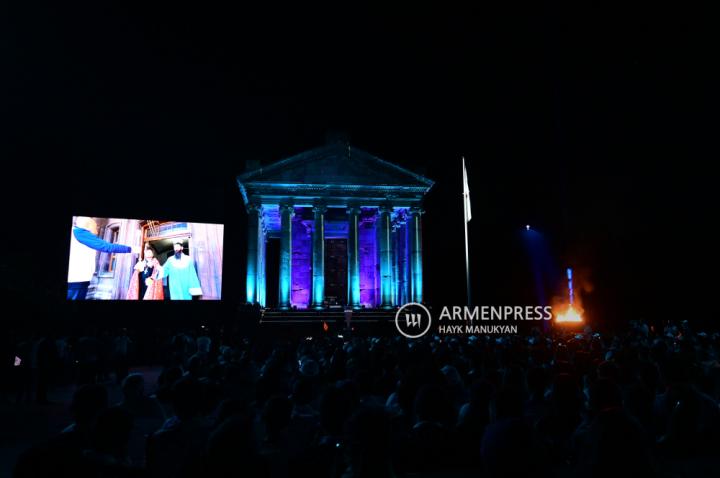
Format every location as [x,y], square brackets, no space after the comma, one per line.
[144,259]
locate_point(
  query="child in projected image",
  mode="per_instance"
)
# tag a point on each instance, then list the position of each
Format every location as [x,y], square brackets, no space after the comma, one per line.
[146,281]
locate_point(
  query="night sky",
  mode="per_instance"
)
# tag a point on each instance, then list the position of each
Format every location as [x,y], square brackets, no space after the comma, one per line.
[592,124]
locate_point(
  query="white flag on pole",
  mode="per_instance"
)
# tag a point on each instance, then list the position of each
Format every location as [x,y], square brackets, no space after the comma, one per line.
[466,193]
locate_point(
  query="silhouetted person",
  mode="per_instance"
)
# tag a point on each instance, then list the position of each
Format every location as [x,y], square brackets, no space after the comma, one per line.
[455,388]
[304,418]
[88,403]
[367,445]
[612,441]
[473,418]
[146,412]
[23,370]
[508,434]
[135,401]
[63,454]
[563,415]
[121,355]
[7,364]
[186,430]
[691,418]
[536,406]
[275,445]
[88,357]
[430,439]
[325,458]
[47,365]
[108,455]
[232,452]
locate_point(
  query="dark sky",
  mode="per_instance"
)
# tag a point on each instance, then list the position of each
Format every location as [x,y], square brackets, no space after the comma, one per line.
[591,123]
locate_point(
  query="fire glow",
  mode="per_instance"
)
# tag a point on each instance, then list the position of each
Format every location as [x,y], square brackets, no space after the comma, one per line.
[570,315]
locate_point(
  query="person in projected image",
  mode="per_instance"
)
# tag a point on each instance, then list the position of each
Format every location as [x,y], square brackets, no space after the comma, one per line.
[84,246]
[146,281]
[183,280]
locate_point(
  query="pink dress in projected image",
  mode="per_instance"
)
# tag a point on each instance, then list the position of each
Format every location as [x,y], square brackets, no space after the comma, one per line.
[154,290]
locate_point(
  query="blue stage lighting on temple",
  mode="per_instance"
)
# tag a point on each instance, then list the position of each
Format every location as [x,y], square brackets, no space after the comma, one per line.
[348,226]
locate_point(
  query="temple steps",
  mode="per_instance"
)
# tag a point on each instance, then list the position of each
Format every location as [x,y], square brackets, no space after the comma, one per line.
[326,315]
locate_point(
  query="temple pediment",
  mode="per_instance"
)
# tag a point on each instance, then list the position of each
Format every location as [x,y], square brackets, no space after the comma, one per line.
[335,173]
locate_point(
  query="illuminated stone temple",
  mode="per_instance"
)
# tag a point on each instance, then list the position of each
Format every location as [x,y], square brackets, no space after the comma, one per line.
[334,226]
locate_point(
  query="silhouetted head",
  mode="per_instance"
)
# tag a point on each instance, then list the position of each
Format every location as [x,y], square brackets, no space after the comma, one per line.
[368,442]
[536,380]
[508,403]
[203,344]
[88,402]
[605,394]
[133,386]
[302,391]
[565,395]
[334,410]
[276,416]
[231,447]
[187,398]
[112,432]
[433,405]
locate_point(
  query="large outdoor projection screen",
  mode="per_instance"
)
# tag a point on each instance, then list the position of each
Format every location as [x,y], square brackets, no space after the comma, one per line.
[143,259]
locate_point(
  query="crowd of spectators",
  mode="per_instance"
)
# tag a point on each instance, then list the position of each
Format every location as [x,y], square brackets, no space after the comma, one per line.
[558,404]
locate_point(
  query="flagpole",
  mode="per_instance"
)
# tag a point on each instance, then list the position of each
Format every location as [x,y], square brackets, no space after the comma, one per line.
[467,265]
[467,254]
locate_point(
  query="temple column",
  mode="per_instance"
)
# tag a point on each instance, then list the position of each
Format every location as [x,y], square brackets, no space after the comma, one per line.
[385,245]
[394,258]
[353,258]
[401,249]
[253,211]
[286,214]
[262,248]
[415,240]
[318,257]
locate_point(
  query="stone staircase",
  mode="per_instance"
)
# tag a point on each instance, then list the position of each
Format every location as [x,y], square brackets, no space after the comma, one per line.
[364,322]
[330,316]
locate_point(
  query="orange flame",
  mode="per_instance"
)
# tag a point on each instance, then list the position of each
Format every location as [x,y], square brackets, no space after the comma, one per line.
[325,326]
[569,315]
